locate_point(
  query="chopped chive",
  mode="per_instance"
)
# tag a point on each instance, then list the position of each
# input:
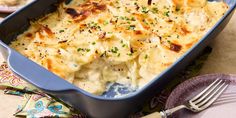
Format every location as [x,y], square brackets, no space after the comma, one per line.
[114,50]
[167,13]
[130,54]
[79,49]
[123,45]
[146,56]
[132,19]
[106,23]
[87,50]
[61,31]
[145,10]
[154,10]
[131,27]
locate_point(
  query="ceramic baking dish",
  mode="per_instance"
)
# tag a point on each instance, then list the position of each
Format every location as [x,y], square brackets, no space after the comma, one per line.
[92,105]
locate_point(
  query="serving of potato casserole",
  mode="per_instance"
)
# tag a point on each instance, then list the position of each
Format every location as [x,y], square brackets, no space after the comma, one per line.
[91,43]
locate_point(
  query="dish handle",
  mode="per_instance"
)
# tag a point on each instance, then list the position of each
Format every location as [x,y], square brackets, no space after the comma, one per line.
[37,75]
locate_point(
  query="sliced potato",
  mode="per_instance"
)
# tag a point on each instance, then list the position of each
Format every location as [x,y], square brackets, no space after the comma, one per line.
[190,3]
[155,60]
[117,50]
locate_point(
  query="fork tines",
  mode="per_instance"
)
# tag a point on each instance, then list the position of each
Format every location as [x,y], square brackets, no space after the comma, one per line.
[208,95]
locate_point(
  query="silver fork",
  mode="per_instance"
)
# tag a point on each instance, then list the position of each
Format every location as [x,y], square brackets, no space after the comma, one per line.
[198,103]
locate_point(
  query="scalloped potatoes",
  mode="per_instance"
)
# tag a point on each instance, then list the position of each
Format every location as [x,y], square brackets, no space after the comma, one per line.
[96,42]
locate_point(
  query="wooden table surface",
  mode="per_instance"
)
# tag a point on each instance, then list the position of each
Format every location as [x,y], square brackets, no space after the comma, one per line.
[221,60]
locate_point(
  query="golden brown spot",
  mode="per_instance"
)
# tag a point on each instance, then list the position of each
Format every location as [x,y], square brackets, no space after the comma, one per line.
[58,72]
[167,64]
[178,3]
[184,30]
[138,32]
[78,16]
[149,2]
[188,45]
[29,35]
[44,29]
[84,10]
[64,41]
[100,21]
[146,27]
[49,64]
[87,4]
[40,44]
[40,35]
[175,47]
[83,15]
[72,12]
[47,30]
[98,7]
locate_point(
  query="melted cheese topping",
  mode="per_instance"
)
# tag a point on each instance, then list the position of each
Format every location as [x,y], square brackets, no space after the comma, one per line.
[96,42]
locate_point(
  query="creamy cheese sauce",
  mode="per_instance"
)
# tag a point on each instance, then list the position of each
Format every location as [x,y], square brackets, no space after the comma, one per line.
[95,42]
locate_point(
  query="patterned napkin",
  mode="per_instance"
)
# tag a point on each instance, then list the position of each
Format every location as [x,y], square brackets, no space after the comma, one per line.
[37,104]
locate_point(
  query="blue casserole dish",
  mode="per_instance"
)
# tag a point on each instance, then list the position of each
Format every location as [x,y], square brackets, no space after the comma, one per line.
[93,106]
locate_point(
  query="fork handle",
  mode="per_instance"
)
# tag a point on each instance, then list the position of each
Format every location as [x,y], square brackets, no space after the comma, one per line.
[166,113]
[169,112]
[154,115]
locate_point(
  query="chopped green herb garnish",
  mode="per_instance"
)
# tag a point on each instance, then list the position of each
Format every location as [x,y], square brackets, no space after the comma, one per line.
[124,45]
[145,10]
[132,19]
[130,54]
[83,49]
[131,27]
[114,50]
[93,43]
[146,56]
[93,25]
[106,23]
[167,13]
[61,31]
[122,17]
[145,22]
[87,50]
[79,49]
[154,10]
